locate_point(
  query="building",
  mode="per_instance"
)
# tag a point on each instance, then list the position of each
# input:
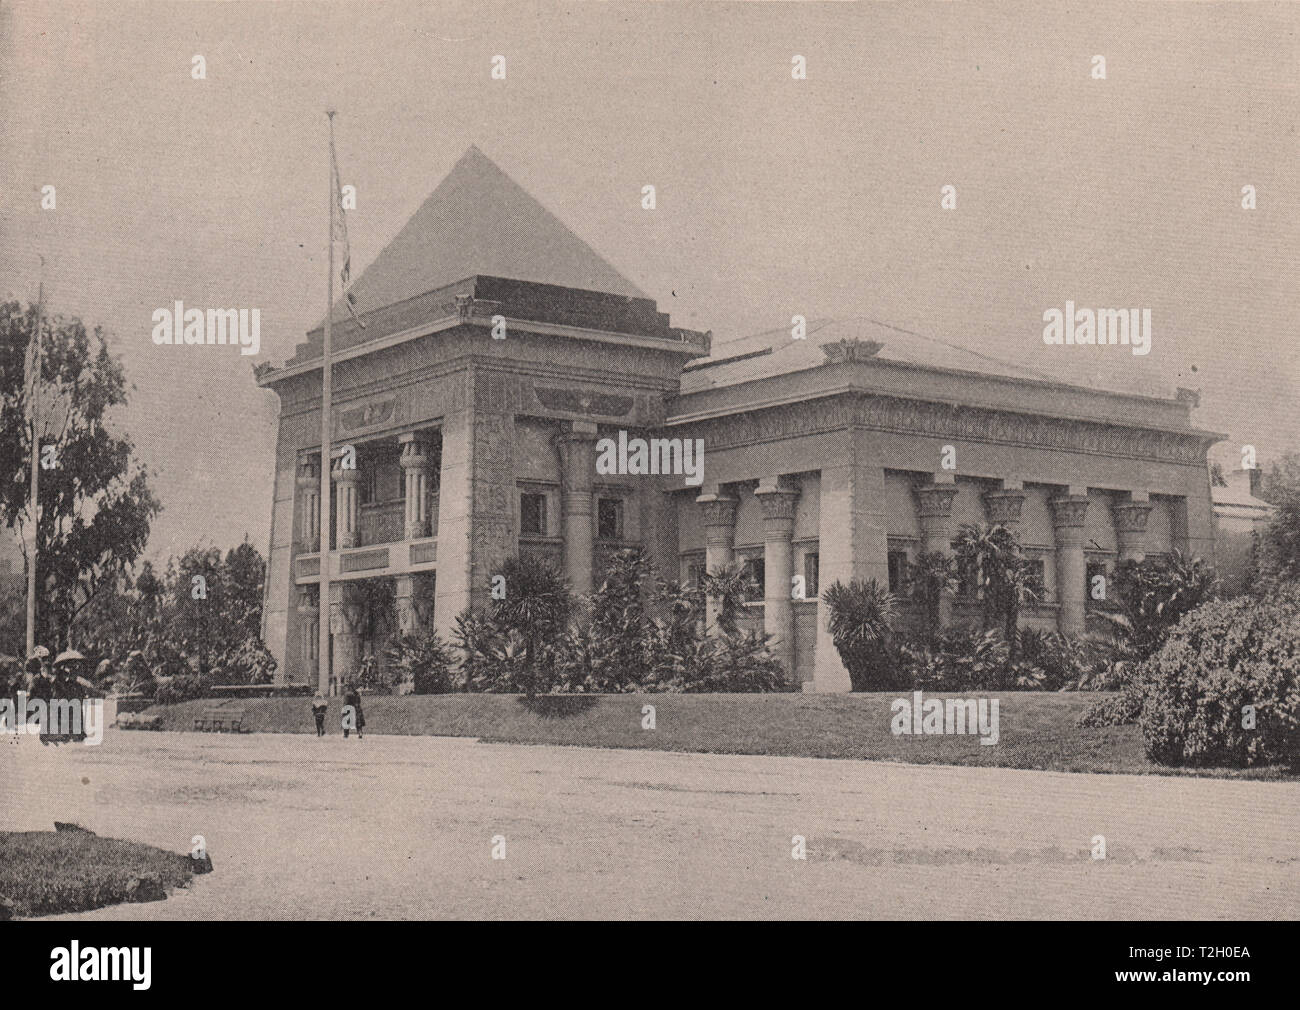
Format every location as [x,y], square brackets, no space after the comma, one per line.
[834,456]
[1239,521]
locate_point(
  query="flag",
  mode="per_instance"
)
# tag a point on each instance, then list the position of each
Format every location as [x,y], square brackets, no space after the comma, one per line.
[341,235]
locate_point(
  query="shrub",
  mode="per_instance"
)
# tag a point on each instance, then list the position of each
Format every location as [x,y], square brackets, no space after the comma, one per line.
[739,663]
[423,661]
[1220,658]
[1152,596]
[620,627]
[956,659]
[536,606]
[182,687]
[861,616]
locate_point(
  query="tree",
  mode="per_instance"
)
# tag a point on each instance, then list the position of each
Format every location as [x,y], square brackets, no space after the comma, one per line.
[620,626]
[537,605]
[931,576]
[1278,555]
[95,500]
[1004,576]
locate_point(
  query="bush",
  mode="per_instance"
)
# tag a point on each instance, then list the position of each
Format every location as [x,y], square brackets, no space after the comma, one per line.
[1224,656]
[861,616]
[620,627]
[182,687]
[423,661]
[1152,596]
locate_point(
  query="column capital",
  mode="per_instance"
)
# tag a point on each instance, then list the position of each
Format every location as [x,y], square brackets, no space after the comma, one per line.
[936,500]
[778,504]
[1069,511]
[308,473]
[349,476]
[1004,506]
[1130,516]
[719,510]
[414,454]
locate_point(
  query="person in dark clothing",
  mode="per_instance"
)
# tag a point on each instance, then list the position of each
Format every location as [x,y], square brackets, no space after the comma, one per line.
[353,717]
[319,706]
[40,687]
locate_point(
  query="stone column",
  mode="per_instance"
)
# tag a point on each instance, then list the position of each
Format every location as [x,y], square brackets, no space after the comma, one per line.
[415,473]
[1130,518]
[851,540]
[577,460]
[476,510]
[778,500]
[309,496]
[348,504]
[719,541]
[309,636]
[1069,513]
[935,515]
[414,594]
[347,611]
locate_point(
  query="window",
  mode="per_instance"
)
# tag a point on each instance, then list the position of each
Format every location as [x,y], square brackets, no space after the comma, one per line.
[754,571]
[968,578]
[898,572]
[811,574]
[532,514]
[367,485]
[1038,570]
[695,574]
[609,519]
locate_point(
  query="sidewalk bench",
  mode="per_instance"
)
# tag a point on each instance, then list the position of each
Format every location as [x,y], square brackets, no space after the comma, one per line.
[220,719]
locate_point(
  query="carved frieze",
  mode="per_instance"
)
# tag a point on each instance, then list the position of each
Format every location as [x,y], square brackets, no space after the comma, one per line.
[584,401]
[977,424]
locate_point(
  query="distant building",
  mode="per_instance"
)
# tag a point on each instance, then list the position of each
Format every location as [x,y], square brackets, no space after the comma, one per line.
[824,457]
[1239,520]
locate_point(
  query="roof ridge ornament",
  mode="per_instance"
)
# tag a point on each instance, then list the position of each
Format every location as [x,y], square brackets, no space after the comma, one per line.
[850,349]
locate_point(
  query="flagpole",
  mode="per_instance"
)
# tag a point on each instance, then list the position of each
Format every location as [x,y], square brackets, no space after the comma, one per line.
[36,465]
[327,381]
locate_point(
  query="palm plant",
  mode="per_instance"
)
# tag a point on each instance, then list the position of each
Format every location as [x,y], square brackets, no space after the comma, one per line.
[862,615]
[1004,576]
[537,604]
[729,585]
[931,575]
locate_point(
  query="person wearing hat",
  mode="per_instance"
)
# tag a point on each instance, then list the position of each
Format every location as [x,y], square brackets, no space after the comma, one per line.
[68,686]
[40,686]
[353,717]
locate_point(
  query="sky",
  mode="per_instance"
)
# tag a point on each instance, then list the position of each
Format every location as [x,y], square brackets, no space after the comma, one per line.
[774,196]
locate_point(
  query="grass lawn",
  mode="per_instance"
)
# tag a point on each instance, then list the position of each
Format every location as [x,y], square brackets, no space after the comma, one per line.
[45,872]
[1037,729]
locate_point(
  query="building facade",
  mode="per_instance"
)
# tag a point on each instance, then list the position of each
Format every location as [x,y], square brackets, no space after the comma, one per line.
[499,350]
